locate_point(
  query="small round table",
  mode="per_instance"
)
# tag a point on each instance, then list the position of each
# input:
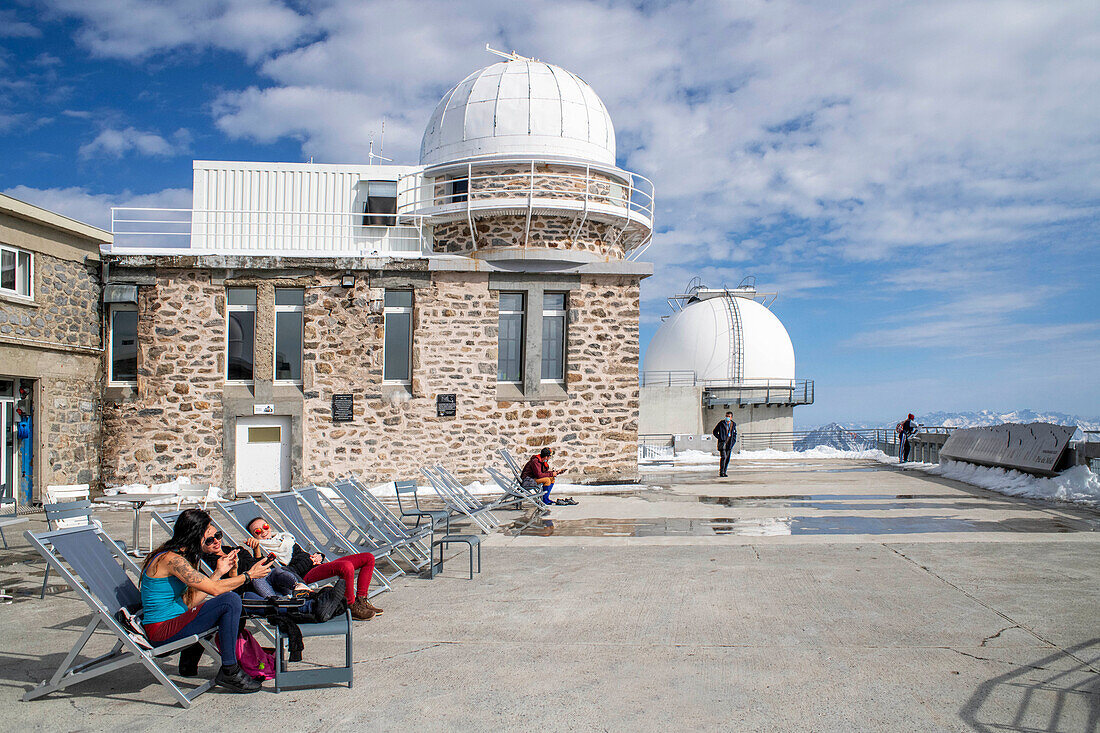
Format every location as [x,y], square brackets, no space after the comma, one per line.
[137,501]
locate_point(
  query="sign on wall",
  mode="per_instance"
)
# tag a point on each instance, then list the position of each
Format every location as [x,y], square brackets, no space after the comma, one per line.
[446,405]
[343,408]
[263,409]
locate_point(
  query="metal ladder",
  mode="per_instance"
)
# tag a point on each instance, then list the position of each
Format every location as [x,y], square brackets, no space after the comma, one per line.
[737,355]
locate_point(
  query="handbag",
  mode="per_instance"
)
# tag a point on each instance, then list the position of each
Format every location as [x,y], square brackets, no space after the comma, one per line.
[253,658]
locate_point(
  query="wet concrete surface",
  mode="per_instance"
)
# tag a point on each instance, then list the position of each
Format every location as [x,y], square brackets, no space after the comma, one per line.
[891,601]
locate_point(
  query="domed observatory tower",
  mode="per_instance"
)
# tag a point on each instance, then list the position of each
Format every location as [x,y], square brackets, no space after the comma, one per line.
[722,350]
[519,165]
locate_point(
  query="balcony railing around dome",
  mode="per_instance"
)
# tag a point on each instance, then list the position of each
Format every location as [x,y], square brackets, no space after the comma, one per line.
[521,186]
[259,232]
[736,391]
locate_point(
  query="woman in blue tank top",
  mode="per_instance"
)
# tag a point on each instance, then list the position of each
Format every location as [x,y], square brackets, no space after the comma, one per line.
[178,601]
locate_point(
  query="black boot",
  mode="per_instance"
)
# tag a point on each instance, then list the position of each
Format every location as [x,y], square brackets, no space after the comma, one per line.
[234,679]
[189,660]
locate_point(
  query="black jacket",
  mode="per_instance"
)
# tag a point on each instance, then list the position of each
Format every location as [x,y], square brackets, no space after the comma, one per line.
[726,435]
[300,561]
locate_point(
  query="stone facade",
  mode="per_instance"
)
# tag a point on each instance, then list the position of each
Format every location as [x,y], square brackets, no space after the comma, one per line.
[66,307]
[176,422]
[549,232]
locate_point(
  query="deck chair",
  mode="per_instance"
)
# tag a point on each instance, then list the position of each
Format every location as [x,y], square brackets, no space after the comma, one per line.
[185,492]
[386,516]
[514,491]
[98,575]
[480,515]
[6,520]
[512,463]
[241,512]
[434,516]
[287,507]
[66,515]
[362,512]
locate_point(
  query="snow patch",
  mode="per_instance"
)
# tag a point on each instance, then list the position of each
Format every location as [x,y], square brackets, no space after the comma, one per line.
[1078,484]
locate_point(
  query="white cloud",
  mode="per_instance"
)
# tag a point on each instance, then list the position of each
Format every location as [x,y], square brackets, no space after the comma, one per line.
[115,143]
[78,203]
[11,27]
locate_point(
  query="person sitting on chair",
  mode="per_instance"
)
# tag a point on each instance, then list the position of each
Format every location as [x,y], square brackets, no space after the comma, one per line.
[537,473]
[179,601]
[312,567]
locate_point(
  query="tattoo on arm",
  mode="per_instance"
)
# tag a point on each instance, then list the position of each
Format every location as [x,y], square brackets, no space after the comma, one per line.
[184,571]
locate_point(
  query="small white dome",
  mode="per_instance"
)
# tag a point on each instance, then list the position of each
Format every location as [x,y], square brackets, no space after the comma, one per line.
[519,108]
[700,338]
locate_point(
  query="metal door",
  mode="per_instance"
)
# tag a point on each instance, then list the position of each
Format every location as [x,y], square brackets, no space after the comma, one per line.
[263,453]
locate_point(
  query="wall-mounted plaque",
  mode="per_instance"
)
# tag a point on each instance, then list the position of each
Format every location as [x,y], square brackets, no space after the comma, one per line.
[446,405]
[343,407]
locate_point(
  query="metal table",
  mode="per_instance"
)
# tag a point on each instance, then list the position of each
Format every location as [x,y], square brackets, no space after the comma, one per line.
[137,501]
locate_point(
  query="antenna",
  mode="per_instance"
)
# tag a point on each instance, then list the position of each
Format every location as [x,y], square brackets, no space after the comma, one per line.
[371,155]
[511,56]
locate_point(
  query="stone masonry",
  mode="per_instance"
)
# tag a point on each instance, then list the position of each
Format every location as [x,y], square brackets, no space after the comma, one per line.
[66,307]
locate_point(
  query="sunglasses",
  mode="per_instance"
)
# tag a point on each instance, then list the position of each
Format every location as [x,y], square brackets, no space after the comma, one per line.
[260,528]
[216,537]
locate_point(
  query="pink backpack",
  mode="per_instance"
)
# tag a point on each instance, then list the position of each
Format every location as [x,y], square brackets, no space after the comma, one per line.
[254,659]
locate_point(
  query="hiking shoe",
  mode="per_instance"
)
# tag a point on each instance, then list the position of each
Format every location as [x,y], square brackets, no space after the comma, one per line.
[371,606]
[359,610]
[235,679]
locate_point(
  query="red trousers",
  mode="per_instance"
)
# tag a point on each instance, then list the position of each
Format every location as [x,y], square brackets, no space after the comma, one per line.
[345,568]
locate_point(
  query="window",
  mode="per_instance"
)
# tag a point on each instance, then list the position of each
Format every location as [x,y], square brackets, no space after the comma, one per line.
[397,354]
[510,338]
[16,272]
[123,344]
[241,334]
[553,337]
[458,189]
[381,205]
[289,308]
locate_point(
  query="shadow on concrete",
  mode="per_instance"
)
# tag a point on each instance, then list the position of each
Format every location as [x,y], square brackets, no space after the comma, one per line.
[1040,696]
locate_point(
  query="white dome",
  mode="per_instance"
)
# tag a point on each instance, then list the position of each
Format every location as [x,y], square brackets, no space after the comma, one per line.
[700,338]
[519,108]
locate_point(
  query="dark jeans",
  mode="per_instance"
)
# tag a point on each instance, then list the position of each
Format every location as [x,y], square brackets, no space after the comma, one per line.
[223,611]
[904,449]
[724,459]
[279,582]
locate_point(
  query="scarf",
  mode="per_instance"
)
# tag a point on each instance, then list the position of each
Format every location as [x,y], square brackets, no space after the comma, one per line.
[282,544]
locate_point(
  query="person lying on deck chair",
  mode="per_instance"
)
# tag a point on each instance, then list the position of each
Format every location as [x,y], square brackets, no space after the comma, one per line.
[178,600]
[312,568]
[537,473]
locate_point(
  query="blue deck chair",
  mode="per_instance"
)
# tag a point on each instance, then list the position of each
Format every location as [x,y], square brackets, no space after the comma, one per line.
[480,515]
[389,518]
[68,514]
[435,517]
[334,543]
[96,568]
[363,512]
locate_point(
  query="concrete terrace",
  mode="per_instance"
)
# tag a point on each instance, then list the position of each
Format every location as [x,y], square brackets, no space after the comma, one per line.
[795,595]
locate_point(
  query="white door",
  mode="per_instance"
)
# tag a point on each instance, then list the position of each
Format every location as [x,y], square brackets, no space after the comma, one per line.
[263,453]
[8,468]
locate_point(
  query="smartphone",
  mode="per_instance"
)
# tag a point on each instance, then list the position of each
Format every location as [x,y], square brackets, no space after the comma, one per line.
[270,558]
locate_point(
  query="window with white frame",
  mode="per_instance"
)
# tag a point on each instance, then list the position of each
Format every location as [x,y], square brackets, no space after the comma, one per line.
[123,343]
[458,190]
[553,337]
[16,272]
[240,334]
[289,311]
[510,338]
[380,208]
[397,349]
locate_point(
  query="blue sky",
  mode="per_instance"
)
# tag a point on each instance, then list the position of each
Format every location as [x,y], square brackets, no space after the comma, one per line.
[919,181]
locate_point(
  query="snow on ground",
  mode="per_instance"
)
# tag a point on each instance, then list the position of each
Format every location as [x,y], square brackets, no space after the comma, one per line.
[1078,484]
[695,460]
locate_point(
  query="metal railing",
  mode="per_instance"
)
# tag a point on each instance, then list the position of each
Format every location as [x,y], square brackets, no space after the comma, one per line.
[924,444]
[591,194]
[244,231]
[758,392]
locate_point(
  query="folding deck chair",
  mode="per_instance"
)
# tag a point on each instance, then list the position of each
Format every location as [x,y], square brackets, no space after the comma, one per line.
[512,463]
[364,511]
[98,575]
[434,516]
[514,491]
[286,505]
[68,514]
[478,513]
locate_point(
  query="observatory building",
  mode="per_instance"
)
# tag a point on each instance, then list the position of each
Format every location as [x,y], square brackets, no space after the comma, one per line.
[721,350]
[305,321]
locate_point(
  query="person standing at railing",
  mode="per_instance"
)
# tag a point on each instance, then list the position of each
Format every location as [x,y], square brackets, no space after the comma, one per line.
[725,433]
[905,429]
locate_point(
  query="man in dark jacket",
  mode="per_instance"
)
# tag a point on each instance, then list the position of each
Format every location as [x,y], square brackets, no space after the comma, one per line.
[905,429]
[725,433]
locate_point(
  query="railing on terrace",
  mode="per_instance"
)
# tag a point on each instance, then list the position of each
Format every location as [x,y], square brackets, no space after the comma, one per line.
[735,391]
[285,233]
[588,194]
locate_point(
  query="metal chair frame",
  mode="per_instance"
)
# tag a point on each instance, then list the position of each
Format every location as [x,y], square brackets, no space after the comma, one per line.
[434,516]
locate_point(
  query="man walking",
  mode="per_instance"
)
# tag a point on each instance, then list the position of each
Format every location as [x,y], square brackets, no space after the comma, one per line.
[726,434]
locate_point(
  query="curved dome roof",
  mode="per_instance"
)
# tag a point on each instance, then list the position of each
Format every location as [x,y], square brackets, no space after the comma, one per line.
[522,108]
[701,338]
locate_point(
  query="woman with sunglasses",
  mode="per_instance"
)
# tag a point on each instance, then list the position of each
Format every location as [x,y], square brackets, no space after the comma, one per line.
[178,600]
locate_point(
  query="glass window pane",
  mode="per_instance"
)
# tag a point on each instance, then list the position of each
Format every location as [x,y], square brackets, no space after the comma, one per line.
[396,355]
[398,299]
[288,345]
[553,347]
[272,434]
[382,188]
[242,296]
[124,345]
[553,301]
[7,270]
[242,331]
[24,272]
[511,301]
[510,348]
[289,296]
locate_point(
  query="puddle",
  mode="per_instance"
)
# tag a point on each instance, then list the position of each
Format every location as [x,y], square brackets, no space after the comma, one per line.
[769,526]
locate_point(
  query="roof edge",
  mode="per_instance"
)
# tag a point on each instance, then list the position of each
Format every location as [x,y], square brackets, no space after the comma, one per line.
[38,215]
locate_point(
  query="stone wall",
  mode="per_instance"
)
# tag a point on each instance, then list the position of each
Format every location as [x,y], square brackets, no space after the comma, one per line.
[550,232]
[71,433]
[173,424]
[66,307]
